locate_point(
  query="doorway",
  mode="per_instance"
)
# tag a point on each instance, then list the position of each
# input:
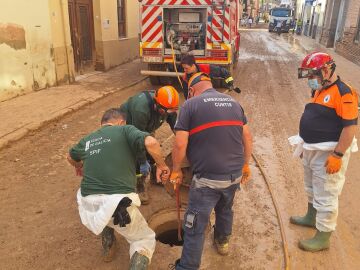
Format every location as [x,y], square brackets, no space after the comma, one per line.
[340,22]
[82,35]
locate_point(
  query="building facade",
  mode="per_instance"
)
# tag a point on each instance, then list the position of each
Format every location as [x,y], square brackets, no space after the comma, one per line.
[35,51]
[44,43]
[342,28]
[312,14]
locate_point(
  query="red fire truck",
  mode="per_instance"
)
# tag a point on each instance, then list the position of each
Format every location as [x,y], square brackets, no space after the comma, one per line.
[208,29]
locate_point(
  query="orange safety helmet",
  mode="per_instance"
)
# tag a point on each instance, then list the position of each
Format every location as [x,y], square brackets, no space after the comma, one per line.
[313,63]
[167,97]
[198,77]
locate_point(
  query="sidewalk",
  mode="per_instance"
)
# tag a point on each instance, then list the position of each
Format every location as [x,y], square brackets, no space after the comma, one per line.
[346,69]
[23,114]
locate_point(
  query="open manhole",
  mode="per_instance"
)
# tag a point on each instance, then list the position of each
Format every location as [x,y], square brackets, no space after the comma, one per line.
[169,234]
[165,225]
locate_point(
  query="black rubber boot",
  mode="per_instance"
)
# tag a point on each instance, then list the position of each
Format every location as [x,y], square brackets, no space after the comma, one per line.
[173,266]
[139,262]
[142,188]
[309,220]
[320,241]
[108,244]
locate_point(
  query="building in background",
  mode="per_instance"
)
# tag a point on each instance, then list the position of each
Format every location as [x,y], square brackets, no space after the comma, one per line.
[35,46]
[116,25]
[333,23]
[342,28]
[49,42]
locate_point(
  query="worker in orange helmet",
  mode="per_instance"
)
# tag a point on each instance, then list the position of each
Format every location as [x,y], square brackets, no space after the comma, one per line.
[147,111]
[325,141]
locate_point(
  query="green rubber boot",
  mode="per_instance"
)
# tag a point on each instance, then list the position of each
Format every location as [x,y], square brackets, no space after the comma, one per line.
[309,220]
[320,241]
[139,262]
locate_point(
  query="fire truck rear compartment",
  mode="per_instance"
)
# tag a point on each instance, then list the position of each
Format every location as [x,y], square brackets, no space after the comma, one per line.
[186,29]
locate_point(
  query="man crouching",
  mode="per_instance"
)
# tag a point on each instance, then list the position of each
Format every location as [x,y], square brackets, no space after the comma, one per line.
[106,159]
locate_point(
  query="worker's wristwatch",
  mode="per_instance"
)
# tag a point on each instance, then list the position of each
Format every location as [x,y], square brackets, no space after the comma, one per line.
[339,154]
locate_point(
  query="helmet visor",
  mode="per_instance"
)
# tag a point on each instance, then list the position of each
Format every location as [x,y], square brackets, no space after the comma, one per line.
[307,72]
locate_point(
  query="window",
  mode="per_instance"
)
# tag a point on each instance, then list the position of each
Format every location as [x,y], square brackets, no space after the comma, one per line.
[121,18]
[281,12]
[357,35]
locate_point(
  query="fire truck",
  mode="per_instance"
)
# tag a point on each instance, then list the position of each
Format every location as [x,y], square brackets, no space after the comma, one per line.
[207,29]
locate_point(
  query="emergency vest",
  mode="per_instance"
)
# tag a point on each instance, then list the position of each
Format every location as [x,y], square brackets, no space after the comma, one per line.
[330,110]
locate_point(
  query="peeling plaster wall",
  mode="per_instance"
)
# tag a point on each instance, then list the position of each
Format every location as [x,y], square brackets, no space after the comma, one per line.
[62,55]
[110,49]
[34,46]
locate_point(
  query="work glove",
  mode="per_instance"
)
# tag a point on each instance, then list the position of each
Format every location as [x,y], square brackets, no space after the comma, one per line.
[121,215]
[145,168]
[333,164]
[176,178]
[230,82]
[246,173]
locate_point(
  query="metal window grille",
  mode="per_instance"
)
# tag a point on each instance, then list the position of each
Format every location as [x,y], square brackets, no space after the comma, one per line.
[121,7]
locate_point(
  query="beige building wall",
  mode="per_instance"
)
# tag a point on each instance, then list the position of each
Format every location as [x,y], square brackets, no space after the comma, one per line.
[110,49]
[31,41]
[62,50]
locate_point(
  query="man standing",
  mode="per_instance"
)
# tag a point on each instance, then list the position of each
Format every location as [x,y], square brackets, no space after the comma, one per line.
[250,21]
[107,200]
[190,68]
[327,128]
[212,132]
[147,111]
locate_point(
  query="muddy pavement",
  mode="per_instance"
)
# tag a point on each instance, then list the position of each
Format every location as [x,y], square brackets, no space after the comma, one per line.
[41,229]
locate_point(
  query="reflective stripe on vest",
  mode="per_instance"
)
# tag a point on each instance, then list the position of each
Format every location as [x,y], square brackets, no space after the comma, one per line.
[215,124]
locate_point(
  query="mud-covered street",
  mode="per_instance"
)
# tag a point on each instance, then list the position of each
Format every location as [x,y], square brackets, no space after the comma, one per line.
[40,224]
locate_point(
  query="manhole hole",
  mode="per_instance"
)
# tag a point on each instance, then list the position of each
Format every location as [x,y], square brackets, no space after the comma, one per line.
[165,225]
[169,234]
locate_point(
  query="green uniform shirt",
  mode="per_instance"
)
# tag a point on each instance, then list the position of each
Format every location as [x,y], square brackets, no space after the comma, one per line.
[141,115]
[109,155]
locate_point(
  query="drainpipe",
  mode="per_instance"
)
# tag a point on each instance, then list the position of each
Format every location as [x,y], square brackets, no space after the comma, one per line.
[62,4]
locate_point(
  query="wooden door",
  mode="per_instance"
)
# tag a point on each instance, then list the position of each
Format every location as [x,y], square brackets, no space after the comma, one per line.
[82,33]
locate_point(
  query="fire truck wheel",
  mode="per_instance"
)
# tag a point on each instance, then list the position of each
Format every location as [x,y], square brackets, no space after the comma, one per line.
[154,80]
[235,60]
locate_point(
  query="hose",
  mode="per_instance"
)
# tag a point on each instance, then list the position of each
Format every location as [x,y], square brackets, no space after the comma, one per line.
[174,62]
[278,214]
[178,208]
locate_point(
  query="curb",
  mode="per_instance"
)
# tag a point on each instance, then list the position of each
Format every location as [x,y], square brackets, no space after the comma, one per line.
[27,128]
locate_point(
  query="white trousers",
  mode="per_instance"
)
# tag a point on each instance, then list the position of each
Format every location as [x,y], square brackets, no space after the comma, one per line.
[96,212]
[138,233]
[323,189]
